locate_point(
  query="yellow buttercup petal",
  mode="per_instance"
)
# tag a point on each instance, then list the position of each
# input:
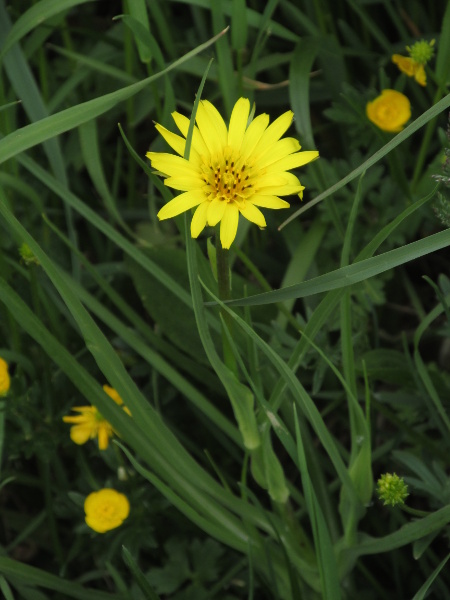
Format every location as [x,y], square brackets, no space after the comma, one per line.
[420,76]
[106,510]
[80,434]
[389,111]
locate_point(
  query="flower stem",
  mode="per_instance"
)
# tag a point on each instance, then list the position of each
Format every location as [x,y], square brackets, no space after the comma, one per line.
[224,288]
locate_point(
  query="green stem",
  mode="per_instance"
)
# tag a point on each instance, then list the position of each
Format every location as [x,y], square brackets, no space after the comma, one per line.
[224,288]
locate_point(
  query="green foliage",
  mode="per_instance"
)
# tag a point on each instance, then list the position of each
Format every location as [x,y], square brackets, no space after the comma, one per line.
[262,416]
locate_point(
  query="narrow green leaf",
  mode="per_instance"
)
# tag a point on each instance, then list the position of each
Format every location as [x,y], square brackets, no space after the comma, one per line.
[352,274]
[443,50]
[138,12]
[326,559]
[5,589]
[299,75]
[35,16]
[408,533]
[138,576]
[51,126]
[422,593]
[36,577]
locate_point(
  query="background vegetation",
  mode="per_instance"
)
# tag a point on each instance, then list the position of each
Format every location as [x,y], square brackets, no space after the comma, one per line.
[345,368]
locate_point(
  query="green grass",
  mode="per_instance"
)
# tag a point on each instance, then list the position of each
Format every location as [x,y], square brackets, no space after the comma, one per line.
[262,417]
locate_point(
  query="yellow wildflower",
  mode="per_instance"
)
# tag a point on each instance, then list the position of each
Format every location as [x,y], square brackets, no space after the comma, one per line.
[414,65]
[230,171]
[5,380]
[411,68]
[106,510]
[90,423]
[389,111]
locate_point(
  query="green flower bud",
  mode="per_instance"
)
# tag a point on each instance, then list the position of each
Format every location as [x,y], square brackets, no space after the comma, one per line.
[392,489]
[421,51]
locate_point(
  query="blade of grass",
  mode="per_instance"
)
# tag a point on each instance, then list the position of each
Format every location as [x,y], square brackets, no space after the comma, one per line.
[326,560]
[351,274]
[138,576]
[36,577]
[33,17]
[50,127]
[422,593]
[302,398]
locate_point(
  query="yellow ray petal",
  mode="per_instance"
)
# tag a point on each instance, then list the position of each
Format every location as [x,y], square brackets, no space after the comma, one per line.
[212,127]
[268,202]
[253,214]
[293,161]
[276,129]
[238,123]
[215,211]
[185,184]
[277,151]
[253,134]
[175,141]
[180,204]
[182,123]
[198,222]
[269,180]
[229,225]
[169,164]
[285,190]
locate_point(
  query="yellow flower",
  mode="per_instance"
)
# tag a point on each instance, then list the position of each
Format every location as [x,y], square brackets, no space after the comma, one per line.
[106,510]
[90,424]
[5,381]
[389,111]
[411,68]
[230,170]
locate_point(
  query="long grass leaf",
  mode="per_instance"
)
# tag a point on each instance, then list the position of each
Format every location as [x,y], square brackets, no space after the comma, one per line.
[422,593]
[36,577]
[47,128]
[351,274]
[34,16]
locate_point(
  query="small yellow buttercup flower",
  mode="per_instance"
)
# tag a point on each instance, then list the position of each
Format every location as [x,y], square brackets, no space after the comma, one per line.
[390,111]
[411,68]
[90,423]
[231,170]
[5,380]
[106,509]
[414,65]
